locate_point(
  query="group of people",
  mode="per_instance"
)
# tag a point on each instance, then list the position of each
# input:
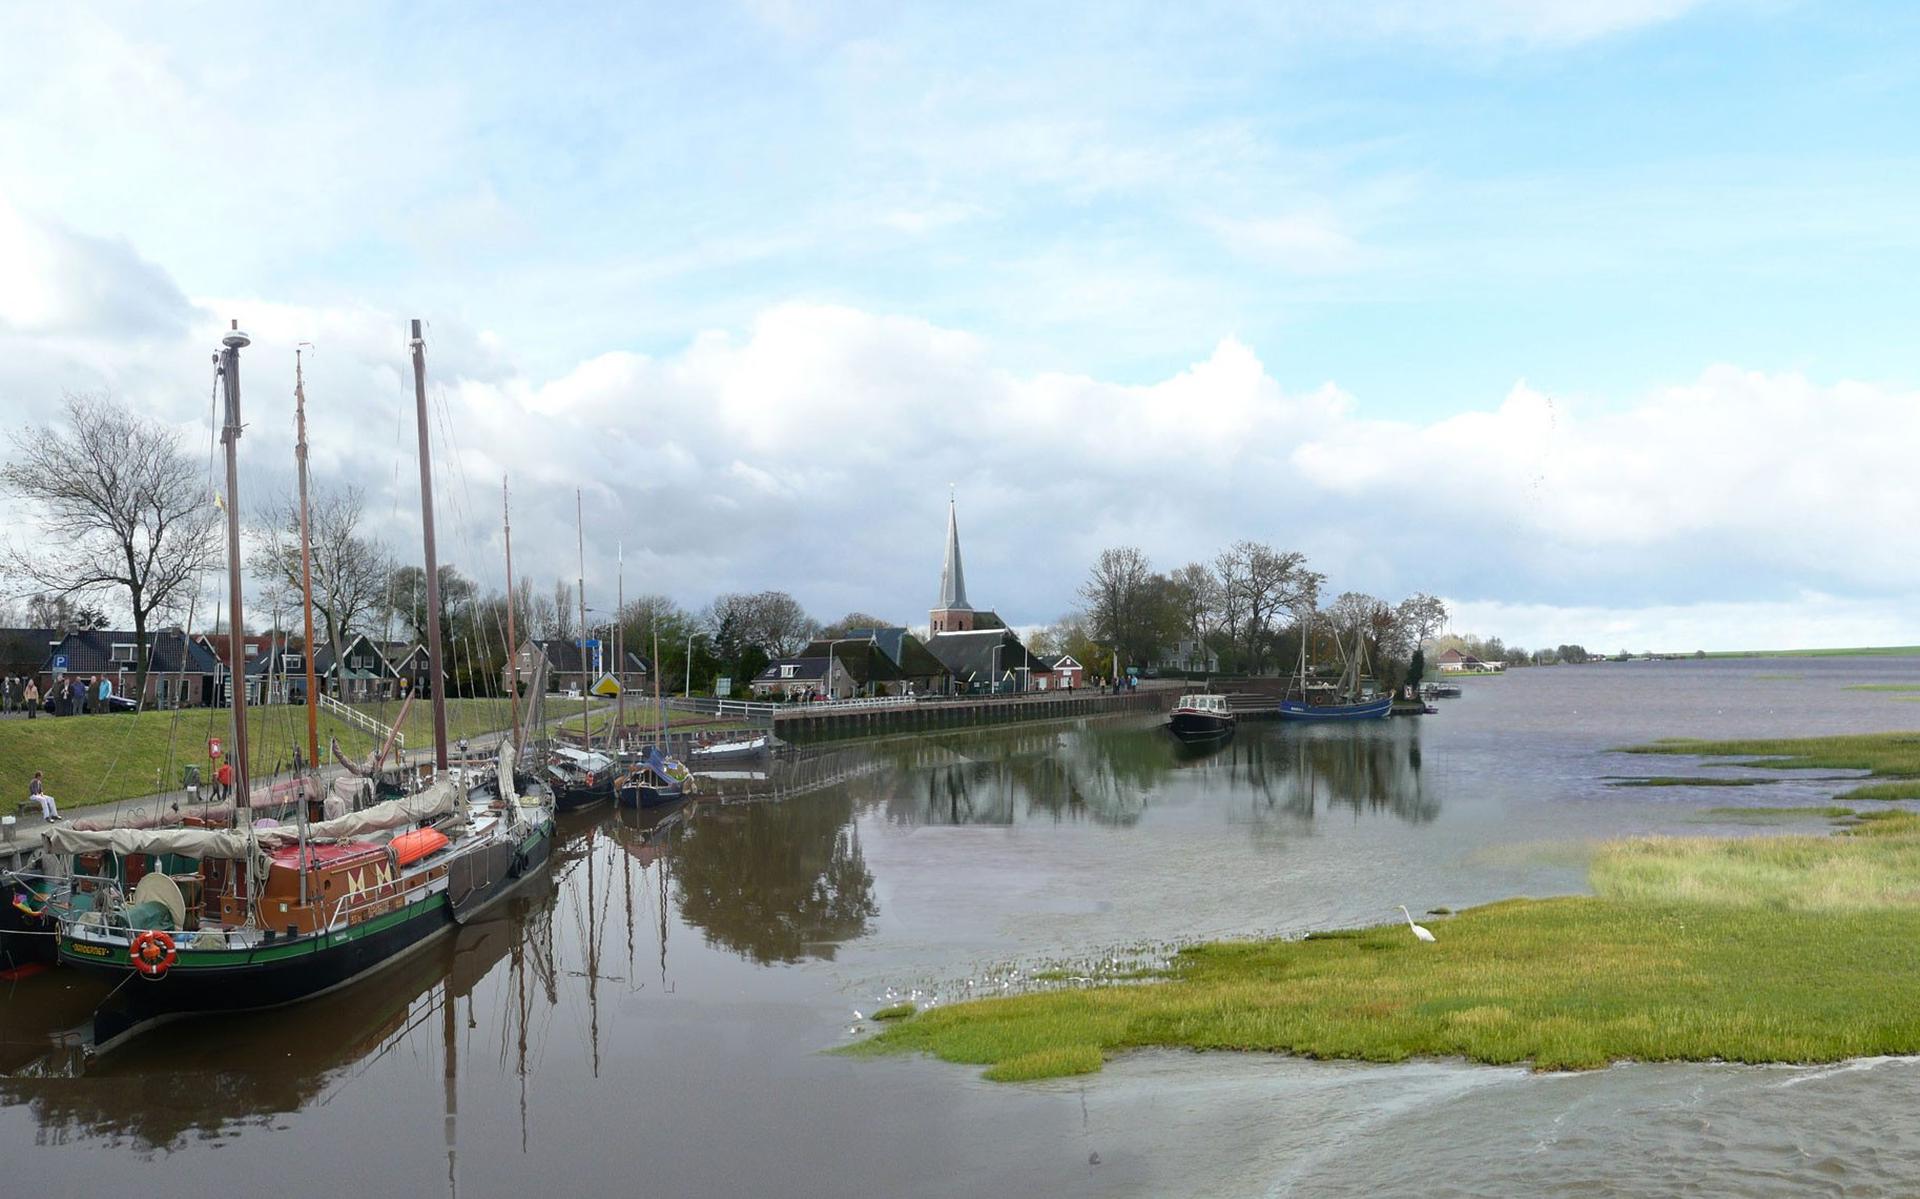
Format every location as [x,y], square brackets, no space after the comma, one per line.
[69,696]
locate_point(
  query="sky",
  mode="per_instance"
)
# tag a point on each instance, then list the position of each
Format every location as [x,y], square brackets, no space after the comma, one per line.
[1594,317]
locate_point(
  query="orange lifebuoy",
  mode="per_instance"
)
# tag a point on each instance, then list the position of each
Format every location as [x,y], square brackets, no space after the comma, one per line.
[152,952]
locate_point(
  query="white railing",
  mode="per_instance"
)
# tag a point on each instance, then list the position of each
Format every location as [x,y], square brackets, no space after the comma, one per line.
[853,705]
[703,706]
[361,720]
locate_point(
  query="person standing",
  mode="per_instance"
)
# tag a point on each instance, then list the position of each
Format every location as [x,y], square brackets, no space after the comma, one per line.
[37,792]
[32,696]
[223,781]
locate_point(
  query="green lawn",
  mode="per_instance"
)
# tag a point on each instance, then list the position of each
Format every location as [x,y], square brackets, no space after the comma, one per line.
[1893,758]
[98,759]
[1777,949]
[1858,651]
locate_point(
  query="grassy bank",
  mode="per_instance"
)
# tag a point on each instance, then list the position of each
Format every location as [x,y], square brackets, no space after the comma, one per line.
[1858,651]
[1893,759]
[98,759]
[1777,949]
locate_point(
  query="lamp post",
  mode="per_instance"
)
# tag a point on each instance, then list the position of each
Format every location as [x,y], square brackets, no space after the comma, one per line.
[993,672]
[830,645]
[689,689]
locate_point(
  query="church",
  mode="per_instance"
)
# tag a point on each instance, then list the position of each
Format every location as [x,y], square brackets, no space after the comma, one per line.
[975,645]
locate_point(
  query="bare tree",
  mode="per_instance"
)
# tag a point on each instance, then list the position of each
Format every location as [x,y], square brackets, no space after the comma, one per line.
[772,620]
[1118,601]
[563,613]
[1256,583]
[350,570]
[120,507]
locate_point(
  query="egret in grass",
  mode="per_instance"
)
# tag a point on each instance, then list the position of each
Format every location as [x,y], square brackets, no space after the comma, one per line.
[1418,931]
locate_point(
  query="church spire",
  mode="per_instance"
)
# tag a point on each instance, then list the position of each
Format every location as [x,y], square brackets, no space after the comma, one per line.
[953,583]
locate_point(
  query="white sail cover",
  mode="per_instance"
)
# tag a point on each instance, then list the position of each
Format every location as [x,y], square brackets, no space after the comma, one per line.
[434,802]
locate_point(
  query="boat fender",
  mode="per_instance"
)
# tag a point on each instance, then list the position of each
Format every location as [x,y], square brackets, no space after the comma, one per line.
[152,953]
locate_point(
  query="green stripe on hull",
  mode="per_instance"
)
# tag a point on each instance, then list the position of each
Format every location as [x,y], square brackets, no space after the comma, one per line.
[188,958]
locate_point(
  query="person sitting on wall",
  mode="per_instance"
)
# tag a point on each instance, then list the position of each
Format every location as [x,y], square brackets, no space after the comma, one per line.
[37,792]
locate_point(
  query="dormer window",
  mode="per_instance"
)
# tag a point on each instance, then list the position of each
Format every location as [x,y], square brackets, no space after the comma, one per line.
[292,662]
[123,651]
[788,672]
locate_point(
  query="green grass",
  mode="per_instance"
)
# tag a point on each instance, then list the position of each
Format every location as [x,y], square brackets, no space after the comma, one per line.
[98,759]
[1893,759]
[1681,780]
[898,1011]
[1858,651]
[1883,687]
[1777,815]
[1779,949]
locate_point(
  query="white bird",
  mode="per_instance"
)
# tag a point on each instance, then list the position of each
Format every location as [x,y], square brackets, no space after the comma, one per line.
[1418,931]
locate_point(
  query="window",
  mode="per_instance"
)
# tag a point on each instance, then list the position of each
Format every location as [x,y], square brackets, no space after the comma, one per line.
[292,662]
[787,672]
[123,651]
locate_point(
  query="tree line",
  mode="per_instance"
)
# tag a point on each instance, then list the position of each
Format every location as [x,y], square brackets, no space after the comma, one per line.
[1249,607]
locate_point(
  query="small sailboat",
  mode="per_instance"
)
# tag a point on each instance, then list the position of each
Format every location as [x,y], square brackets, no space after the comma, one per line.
[653,781]
[730,750]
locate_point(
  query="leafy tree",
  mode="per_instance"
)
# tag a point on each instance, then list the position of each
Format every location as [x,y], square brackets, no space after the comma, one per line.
[854,620]
[121,508]
[407,600]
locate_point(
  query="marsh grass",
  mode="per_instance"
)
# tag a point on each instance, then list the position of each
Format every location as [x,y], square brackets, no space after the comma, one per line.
[1776,815]
[898,1011]
[1779,949]
[1681,780]
[1892,759]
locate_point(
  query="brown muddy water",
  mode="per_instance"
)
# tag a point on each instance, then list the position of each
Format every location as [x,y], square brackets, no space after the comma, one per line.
[651,1016]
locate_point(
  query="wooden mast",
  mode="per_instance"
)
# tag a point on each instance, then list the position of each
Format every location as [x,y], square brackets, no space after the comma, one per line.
[513,646]
[435,676]
[232,344]
[586,688]
[306,562]
[620,653]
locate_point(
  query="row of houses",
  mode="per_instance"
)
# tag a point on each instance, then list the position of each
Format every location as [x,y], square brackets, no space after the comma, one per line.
[892,661]
[194,670]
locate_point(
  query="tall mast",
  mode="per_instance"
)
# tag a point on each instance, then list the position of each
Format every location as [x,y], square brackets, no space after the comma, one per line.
[513,646]
[620,652]
[306,562]
[233,343]
[435,676]
[586,688]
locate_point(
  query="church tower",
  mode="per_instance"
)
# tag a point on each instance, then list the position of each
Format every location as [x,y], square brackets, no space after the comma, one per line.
[952,614]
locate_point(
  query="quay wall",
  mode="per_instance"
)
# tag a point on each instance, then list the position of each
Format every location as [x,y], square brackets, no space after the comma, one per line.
[801,724]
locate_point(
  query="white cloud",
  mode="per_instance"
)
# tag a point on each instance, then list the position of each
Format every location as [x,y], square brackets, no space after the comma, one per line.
[811,450]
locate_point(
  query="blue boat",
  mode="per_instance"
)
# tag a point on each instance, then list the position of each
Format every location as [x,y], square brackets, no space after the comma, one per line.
[1349,699]
[1367,709]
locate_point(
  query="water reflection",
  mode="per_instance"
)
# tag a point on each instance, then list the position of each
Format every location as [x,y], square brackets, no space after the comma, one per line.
[1112,774]
[767,867]
[774,882]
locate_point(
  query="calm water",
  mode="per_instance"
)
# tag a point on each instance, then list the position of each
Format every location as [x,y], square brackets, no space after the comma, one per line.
[649,1017]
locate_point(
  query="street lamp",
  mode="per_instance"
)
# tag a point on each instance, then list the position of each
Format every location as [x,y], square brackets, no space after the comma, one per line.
[830,645]
[993,671]
[690,637]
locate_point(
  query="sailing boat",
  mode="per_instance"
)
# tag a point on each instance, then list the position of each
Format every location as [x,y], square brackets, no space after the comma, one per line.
[220,919]
[1347,700]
